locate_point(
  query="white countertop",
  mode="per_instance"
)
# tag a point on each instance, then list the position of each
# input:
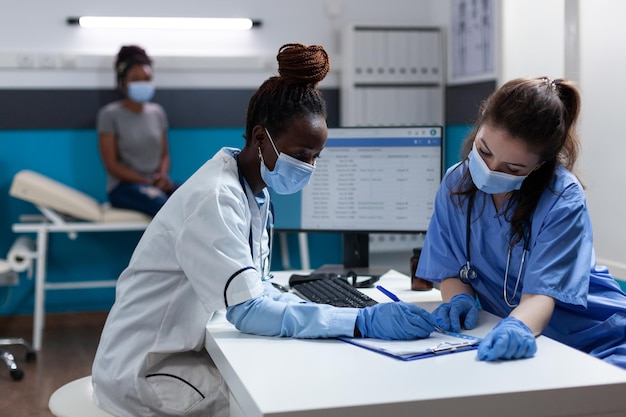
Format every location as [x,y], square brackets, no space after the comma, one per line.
[271,376]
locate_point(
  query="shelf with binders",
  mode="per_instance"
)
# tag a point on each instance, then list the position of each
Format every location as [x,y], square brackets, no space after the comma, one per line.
[392,76]
[401,56]
[392,106]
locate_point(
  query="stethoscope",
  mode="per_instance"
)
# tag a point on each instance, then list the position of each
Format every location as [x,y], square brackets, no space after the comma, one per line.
[467,273]
[266,261]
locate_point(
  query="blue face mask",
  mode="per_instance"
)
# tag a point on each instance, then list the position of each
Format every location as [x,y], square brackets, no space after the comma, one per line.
[289,176]
[140,91]
[491,182]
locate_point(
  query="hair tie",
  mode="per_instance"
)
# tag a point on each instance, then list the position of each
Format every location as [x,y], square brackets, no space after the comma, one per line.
[550,83]
[121,68]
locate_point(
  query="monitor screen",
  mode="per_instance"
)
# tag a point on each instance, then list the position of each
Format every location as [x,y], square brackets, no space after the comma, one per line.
[368,180]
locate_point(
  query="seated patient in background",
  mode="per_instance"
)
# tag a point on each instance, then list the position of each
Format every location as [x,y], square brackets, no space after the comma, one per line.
[133,138]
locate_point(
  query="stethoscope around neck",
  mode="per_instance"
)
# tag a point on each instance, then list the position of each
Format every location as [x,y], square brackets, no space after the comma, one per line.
[467,273]
[266,262]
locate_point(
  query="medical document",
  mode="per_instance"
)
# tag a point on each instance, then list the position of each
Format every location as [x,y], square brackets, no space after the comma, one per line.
[436,344]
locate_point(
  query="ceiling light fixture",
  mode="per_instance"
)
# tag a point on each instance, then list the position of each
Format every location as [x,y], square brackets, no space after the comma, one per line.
[188,23]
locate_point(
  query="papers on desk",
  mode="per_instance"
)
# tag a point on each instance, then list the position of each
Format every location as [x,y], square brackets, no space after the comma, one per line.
[407,350]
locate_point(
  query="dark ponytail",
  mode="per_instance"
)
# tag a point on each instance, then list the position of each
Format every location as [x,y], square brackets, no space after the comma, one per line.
[542,113]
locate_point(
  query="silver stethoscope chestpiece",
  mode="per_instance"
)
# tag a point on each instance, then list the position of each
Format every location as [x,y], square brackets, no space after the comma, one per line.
[467,274]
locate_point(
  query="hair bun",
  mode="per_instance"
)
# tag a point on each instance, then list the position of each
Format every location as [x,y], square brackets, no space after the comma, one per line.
[133,53]
[128,56]
[301,64]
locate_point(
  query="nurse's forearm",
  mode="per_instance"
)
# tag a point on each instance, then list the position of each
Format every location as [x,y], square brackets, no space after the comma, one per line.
[453,286]
[535,311]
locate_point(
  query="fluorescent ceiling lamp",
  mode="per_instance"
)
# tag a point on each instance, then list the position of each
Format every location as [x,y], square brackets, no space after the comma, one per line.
[189,23]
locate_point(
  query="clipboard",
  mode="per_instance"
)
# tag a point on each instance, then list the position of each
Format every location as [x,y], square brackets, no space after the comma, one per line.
[407,350]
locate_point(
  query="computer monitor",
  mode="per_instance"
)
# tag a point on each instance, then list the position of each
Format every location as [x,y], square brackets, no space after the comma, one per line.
[368,180]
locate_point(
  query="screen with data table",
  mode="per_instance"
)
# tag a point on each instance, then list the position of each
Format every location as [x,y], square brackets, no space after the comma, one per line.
[368,180]
[371,179]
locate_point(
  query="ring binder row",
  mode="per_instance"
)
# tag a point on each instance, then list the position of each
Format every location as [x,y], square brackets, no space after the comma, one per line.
[392,76]
[398,55]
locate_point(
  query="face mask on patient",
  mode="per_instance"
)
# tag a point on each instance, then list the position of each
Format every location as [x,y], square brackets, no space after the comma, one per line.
[140,91]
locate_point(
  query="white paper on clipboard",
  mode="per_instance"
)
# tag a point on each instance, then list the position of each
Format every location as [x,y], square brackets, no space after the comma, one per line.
[436,344]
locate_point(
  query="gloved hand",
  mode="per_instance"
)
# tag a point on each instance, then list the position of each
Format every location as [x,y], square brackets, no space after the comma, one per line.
[461,310]
[395,321]
[510,339]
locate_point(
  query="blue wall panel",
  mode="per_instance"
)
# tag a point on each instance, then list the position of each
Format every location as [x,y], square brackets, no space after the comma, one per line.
[71,157]
[455,134]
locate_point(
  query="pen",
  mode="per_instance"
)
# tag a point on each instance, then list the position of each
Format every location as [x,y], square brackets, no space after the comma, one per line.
[388,293]
[396,299]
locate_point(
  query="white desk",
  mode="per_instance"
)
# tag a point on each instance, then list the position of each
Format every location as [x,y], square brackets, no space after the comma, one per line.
[304,378]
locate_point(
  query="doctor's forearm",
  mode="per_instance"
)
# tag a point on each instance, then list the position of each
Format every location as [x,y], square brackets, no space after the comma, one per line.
[268,317]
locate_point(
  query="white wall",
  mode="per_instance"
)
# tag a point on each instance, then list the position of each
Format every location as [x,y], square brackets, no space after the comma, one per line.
[531,39]
[581,40]
[602,65]
[35,33]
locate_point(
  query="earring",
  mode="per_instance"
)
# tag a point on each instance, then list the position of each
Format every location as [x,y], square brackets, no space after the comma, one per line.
[260,155]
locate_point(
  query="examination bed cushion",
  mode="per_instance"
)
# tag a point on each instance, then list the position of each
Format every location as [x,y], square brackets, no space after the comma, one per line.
[46,192]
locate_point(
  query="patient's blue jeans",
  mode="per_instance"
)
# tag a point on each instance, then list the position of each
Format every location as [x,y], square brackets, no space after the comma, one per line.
[139,197]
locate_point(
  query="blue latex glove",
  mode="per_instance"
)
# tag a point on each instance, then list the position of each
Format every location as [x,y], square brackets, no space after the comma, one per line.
[395,321]
[510,339]
[461,310]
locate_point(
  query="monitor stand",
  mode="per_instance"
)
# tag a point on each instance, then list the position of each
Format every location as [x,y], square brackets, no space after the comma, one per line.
[355,258]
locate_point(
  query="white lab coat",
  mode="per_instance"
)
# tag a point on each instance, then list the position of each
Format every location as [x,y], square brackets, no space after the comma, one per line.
[151,359]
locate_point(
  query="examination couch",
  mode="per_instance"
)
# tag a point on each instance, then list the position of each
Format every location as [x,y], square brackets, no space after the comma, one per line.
[63,210]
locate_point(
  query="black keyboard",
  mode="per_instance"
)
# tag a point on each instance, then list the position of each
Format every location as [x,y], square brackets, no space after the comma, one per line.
[329,289]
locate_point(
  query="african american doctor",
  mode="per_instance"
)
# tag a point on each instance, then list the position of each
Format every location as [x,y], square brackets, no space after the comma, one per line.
[207,249]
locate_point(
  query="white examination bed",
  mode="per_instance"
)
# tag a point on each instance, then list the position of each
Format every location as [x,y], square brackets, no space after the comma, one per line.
[64,210]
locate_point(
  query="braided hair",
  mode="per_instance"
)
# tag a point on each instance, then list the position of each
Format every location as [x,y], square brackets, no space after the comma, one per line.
[291,94]
[128,56]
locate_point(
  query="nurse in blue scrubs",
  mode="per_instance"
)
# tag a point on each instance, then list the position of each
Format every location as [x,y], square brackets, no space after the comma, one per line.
[511,232]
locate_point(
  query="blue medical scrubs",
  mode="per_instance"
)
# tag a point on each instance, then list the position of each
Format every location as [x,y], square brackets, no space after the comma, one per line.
[590,311]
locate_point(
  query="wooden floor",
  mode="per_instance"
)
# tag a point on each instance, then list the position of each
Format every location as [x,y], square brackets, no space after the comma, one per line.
[69,346]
